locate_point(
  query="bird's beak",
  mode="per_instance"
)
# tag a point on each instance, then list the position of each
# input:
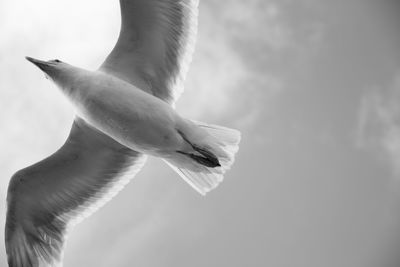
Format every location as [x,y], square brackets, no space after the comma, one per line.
[43,65]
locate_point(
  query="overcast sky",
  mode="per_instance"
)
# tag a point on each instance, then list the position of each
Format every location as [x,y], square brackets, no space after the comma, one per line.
[313,85]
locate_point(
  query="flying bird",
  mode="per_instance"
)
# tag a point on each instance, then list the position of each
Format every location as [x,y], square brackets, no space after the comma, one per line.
[124,112]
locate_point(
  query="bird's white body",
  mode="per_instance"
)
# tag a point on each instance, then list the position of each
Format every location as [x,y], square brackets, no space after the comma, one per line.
[145,123]
[129,115]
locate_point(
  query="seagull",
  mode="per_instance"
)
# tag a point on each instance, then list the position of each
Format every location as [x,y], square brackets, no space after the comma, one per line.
[125,111]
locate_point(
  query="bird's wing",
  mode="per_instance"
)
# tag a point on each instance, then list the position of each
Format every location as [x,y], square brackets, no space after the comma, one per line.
[155,45]
[45,199]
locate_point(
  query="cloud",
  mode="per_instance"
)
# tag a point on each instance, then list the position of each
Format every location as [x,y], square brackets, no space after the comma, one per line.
[379,123]
[227,79]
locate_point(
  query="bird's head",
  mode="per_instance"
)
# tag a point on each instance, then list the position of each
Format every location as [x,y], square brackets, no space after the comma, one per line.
[51,68]
[61,73]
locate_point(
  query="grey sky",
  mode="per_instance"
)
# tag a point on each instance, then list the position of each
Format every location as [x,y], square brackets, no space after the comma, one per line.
[313,86]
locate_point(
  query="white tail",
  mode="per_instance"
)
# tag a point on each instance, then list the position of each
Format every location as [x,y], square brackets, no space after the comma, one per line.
[220,141]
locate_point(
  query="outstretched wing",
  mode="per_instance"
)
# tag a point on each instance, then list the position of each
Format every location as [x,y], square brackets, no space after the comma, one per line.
[45,199]
[155,45]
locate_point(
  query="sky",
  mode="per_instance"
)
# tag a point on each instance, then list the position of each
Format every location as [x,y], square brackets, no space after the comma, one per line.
[314,87]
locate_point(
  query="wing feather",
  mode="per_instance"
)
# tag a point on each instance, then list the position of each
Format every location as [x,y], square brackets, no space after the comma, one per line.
[155,45]
[47,198]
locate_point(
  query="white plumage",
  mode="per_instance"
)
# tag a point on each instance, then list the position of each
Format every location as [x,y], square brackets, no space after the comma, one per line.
[124,111]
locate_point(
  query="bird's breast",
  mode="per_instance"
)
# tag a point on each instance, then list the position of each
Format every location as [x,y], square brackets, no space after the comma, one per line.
[131,117]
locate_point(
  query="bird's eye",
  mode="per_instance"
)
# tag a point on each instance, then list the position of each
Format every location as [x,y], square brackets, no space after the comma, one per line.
[56,60]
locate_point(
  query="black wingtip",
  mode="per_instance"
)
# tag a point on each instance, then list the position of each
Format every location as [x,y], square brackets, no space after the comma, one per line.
[208,160]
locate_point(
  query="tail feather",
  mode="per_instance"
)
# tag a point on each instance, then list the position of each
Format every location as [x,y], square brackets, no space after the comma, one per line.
[217,153]
[223,143]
